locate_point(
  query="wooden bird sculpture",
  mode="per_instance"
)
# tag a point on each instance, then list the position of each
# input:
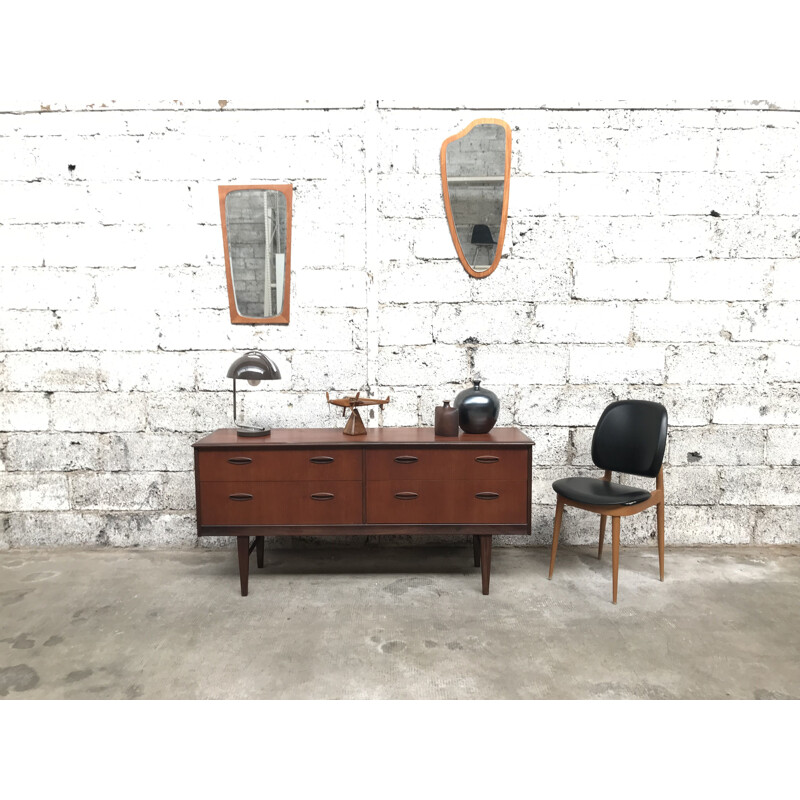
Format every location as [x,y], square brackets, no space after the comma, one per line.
[355,425]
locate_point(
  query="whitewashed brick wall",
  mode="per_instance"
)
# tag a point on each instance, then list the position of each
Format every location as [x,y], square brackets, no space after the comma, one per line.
[617,281]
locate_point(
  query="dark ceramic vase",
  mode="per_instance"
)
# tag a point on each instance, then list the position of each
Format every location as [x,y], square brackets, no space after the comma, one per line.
[478,409]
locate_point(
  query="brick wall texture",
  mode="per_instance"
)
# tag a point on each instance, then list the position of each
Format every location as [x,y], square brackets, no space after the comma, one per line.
[651,254]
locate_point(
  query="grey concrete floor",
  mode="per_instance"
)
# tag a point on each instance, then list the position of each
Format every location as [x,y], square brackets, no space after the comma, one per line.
[399,622]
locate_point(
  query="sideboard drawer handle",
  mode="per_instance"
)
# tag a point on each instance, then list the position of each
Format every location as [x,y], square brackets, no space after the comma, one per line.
[406,459]
[322,496]
[487,495]
[241,496]
[321,460]
[240,460]
[406,495]
[487,459]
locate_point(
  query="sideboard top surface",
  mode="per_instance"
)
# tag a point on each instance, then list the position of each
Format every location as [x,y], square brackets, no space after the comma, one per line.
[333,437]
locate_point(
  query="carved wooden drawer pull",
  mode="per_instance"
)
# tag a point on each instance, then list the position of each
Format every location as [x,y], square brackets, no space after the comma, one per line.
[322,496]
[241,496]
[321,460]
[240,460]
[487,459]
[406,495]
[406,459]
[487,495]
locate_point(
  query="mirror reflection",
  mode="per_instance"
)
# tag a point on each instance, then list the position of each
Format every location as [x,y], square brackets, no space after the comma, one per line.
[475,172]
[256,229]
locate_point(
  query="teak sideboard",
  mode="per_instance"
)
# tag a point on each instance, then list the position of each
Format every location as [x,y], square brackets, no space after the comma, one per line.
[318,481]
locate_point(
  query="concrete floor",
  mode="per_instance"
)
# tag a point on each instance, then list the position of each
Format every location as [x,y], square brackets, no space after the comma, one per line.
[399,622]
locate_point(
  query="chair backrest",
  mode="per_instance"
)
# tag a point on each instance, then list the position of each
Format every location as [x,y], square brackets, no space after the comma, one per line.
[482,235]
[630,437]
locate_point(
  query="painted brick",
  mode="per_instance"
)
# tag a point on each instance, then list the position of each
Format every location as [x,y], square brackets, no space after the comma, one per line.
[430,283]
[562,405]
[783,446]
[692,322]
[621,281]
[406,324]
[642,363]
[582,322]
[422,365]
[607,194]
[521,363]
[717,445]
[728,362]
[524,281]
[33,491]
[482,323]
[703,192]
[690,525]
[146,452]
[744,405]
[720,279]
[774,486]
[45,288]
[786,280]
[52,451]
[52,372]
[24,411]
[777,526]
[342,371]
[106,411]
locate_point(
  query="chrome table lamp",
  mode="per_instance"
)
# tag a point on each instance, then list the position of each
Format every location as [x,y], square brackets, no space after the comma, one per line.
[253,367]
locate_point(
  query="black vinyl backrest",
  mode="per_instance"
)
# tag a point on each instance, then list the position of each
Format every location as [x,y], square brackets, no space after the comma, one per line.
[630,437]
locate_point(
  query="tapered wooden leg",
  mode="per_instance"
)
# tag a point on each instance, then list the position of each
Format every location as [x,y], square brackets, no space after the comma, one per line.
[476,550]
[260,551]
[615,552]
[660,517]
[602,535]
[243,543]
[486,562]
[556,530]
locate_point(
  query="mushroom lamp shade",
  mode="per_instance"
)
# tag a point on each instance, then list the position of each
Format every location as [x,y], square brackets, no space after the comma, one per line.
[253,367]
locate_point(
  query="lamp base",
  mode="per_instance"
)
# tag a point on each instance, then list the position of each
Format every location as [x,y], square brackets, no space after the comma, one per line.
[253,431]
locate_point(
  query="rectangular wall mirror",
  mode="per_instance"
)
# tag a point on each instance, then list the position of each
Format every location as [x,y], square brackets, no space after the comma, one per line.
[256,235]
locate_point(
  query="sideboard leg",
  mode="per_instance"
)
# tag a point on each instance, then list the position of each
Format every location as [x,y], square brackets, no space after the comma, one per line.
[476,550]
[243,543]
[486,562]
[260,551]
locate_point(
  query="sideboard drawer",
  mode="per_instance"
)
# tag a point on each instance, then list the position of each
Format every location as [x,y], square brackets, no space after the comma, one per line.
[327,464]
[458,463]
[468,502]
[281,503]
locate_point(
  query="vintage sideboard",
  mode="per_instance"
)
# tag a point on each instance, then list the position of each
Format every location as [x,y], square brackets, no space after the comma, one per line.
[318,481]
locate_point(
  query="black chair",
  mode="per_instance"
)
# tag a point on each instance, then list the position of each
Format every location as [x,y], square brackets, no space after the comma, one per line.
[482,237]
[630,437]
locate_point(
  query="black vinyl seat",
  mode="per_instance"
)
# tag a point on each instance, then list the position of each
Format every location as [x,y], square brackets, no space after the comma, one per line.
[482,237]
[597,492]
[630,437]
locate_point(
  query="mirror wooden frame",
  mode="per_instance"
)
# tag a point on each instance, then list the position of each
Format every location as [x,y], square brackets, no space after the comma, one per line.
[286,190]
[504,213]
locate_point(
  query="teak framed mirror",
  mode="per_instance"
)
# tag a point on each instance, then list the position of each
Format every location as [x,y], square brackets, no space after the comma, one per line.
[476,167]
[256,236]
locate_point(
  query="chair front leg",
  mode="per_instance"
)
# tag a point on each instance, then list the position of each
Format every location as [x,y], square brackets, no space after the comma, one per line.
[615,554]
[556,531]
[660,518]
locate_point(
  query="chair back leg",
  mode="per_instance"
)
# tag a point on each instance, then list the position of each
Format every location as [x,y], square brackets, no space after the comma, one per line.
[556,531]
[602,535]
[615,554]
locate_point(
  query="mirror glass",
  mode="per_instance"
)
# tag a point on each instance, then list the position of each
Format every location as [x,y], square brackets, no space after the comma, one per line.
[256,228]
[475,175]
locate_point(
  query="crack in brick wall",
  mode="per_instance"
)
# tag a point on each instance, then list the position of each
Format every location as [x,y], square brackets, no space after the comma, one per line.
[650,253]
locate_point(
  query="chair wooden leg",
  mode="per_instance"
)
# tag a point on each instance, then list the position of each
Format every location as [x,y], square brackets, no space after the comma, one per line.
[602,535]
[556,531]
[660,517]
[615,553]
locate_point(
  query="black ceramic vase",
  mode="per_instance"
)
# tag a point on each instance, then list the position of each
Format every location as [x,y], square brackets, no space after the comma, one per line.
[477,409]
